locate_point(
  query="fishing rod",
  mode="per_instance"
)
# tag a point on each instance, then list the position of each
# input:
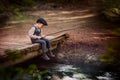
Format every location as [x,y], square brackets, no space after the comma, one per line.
[63,30]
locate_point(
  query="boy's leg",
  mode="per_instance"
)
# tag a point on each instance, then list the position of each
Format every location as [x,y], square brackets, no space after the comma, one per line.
[43,43]
[48,43]
[49,46]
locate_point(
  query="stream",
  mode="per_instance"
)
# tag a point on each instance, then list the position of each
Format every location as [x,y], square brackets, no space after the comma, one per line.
[53,70]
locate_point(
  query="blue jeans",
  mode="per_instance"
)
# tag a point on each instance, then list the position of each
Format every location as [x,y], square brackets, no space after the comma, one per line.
[44,42]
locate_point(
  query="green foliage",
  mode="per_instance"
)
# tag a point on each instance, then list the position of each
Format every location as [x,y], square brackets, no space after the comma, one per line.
[112,56]
[18,16]
[20,70]
[19,73]
[111,10]
[9,8]
[63,1]
[117,32]
[15,73]
[7,73]
[12,5]
[108,4]
[112,14]
[31,69]
[3,19]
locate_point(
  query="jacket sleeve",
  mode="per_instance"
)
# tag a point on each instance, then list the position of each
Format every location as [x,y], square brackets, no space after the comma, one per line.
[31,33]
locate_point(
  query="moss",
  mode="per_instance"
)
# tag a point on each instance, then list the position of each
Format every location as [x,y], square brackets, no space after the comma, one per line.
[13,54]
[117,31]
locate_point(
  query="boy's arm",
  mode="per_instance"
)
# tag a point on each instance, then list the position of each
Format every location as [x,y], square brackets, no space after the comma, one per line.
[31,32]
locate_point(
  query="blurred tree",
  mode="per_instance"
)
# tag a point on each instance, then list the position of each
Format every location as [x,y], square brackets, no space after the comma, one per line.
[108,4]
[12,5]
[111,10]
[112,56]
[9,7]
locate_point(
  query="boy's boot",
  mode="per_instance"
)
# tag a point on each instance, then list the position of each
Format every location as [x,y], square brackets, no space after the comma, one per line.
[51,54]
[45,57]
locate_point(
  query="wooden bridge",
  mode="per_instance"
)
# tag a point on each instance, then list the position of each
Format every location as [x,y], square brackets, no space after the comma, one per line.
[27,51]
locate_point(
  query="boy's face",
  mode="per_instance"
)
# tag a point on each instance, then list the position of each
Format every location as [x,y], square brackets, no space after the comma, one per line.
[40,25]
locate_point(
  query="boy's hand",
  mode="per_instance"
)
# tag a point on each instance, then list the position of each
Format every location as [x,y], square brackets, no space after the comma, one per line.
[43,36]
[39,37]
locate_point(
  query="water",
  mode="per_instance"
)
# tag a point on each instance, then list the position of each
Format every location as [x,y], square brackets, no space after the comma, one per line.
[62,72]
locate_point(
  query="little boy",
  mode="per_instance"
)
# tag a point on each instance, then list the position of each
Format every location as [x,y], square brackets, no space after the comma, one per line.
[36,37]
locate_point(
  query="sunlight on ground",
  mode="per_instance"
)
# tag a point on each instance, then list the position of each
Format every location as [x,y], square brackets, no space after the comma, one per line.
[76,17]
[58,12]
[74,11]
[102,36]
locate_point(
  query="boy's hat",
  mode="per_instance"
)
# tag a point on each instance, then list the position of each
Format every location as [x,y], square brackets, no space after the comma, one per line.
[43,21]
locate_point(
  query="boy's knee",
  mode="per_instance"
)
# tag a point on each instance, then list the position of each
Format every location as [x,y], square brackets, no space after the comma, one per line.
[47,41]
[43,42]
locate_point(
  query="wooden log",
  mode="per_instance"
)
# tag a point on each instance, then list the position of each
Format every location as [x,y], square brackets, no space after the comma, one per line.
[28,51]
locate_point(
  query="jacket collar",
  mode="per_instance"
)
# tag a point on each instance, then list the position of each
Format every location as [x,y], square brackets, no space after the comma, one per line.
[36,26]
